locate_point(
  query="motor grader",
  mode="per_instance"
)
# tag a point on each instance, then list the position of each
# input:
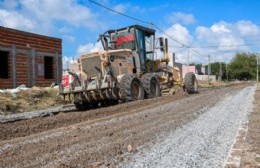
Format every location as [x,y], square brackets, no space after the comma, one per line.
[128,69]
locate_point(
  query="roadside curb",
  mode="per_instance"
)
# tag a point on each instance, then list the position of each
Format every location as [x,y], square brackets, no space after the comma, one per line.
[233,159]
[238,146]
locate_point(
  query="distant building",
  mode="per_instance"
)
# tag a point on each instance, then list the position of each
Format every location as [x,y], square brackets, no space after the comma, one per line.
[211,78]
[186,69]
[75,67]
[199,70]
[203,71]
[30,59]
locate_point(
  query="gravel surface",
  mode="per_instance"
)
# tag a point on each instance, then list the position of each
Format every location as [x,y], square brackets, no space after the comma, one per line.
[205,142]
[108,136]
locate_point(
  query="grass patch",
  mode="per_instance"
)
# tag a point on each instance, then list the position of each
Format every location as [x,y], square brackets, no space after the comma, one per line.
[32,99]
[205,84]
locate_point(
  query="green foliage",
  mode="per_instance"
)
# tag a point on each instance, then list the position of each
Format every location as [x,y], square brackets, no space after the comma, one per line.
[215,69]
[195,64]
[243,66]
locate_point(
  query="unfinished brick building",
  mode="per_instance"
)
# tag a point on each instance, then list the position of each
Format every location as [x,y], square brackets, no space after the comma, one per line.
[30,59]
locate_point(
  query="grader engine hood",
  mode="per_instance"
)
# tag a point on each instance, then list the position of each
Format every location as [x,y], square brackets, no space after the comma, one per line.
[100,72]
[119,61]
[91,66]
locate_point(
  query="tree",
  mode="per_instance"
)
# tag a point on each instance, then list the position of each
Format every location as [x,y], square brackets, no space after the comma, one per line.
[196,64]
[215,69]
[243,66]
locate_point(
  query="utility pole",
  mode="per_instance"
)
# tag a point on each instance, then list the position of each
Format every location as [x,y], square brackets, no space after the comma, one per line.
[208,67]
[257,63]
[151,40]
[226,71]
[220,72]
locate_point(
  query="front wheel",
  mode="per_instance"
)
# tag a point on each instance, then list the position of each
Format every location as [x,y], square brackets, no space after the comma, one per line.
[190,83]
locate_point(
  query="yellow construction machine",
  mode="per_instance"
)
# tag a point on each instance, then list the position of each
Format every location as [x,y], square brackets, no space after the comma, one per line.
[128,69]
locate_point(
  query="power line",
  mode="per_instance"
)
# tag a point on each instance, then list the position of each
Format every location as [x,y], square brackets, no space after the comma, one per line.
[183,45]
[119,12]
[233,45]
[146,22]
[143,21]
[214,58]
[163,32]
[196,52]
[212,46]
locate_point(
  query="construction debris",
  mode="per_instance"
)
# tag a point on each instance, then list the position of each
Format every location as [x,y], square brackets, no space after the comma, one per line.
[16,90]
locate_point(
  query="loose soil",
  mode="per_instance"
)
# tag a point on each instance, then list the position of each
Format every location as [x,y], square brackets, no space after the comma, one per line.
[38,98]
[101,136]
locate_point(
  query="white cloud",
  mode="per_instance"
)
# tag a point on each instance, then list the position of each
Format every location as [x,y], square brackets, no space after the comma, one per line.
[221,40]
[221,27]
[89,47]
[225,39]
[64,10]
[224,35]
[247,28]
[181,34]
[42,16]
[181,18]
[126,8]
[15,20]
[204,33]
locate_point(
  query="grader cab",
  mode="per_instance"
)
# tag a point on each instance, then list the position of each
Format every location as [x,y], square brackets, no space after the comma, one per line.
[127,70]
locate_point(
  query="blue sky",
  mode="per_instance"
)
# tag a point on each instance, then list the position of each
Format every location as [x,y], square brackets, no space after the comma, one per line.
[216,27]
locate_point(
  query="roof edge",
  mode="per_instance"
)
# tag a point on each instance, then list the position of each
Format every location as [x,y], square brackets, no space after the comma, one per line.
[29,33]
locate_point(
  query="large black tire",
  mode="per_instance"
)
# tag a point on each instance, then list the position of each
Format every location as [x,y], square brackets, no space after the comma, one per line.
[190,83]
[151,85]
[131,88]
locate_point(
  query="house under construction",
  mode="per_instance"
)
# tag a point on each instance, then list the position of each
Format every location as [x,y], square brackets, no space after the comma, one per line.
[30,59]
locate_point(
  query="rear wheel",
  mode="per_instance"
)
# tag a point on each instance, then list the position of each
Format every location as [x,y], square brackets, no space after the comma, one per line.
[190,83]
[151,85]
[131,88]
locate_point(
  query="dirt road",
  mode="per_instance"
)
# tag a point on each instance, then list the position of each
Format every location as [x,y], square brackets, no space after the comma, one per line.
[107,137]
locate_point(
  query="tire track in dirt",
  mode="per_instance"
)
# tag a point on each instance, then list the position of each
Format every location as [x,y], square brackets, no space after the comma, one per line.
[104,140]
[204,142]
[36,125]
[27,127]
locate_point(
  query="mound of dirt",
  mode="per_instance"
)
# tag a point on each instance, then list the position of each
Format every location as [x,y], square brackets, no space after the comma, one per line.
[35,98]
